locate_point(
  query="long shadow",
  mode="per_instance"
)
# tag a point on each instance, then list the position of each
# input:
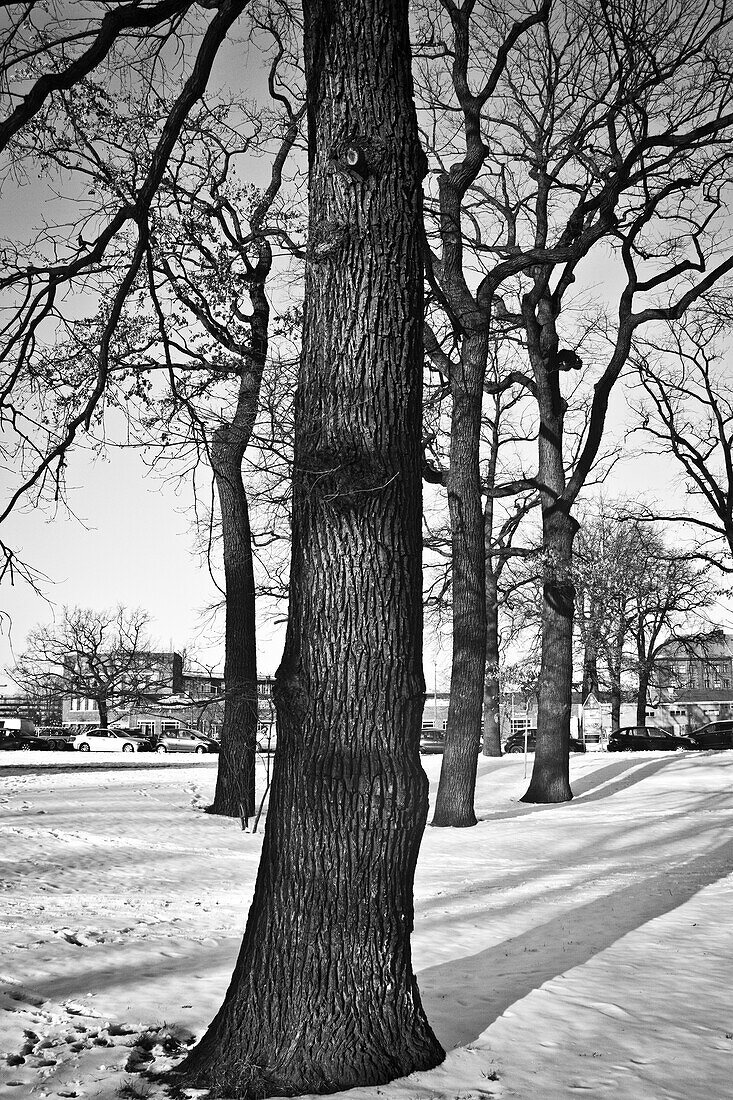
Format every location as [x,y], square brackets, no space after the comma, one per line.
[196,957]
[108,765]
[629,773]
[463,997]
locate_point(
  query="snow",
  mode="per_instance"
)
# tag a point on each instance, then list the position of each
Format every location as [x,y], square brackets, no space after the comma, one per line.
[563,950]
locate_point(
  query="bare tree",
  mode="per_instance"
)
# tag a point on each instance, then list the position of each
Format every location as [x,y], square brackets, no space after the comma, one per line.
[349,797]
[636,595]
[608,135]
[508,434]
[191,343]
[669,598]
[688,413]
[45,56]
[468,310]
[105,656]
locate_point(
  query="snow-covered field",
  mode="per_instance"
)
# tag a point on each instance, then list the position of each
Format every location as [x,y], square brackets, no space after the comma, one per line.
[563,950]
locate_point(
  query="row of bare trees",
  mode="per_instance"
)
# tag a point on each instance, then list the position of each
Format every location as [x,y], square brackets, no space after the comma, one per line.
[462,207]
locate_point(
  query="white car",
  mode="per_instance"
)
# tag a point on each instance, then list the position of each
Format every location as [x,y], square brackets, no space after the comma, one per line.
[106,741]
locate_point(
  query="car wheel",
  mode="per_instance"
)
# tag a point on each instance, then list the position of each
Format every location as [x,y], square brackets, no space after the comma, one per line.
[128,748]
[161,749]
[200,749]
[83,748]
[515,748]
[25,747]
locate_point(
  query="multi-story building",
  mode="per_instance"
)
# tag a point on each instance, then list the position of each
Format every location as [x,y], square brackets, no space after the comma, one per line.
[44,710]
[177,698]
[158,675]
[699,664]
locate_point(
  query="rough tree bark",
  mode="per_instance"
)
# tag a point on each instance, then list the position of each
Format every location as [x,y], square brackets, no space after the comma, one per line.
[550,781]
[454,801]
[235,782]
[323,996]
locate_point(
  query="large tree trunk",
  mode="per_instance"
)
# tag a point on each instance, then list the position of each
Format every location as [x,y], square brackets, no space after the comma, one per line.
[323,996]
[235,781]
[103,713]
[550,780]
[492,695]
[454,801]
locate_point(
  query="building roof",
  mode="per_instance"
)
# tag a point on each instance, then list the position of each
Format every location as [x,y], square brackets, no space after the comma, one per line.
[702,695]
[701,647]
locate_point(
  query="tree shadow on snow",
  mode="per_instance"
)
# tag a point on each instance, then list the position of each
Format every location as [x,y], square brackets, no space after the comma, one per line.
[590,787]
[464,996]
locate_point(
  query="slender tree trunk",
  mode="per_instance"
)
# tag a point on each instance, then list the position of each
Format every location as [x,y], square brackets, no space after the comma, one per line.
[492,696]
[103,713]
[615,703]
[454,801]
[643,694]
[590,652]
[235,781]
[615,664]
[550,780]
[323,996]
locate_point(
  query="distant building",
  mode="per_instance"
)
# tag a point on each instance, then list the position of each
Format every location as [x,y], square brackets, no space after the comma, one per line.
[44,710]
[181,699]
[164,671]
[201,685]
[700,664]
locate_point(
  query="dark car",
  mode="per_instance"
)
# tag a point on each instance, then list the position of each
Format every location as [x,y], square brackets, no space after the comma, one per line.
[515,742]
[648,739]
[714,735]
[432,741]
[182,740]
[11,740]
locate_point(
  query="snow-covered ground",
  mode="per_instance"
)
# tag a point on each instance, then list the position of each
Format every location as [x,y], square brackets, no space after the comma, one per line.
[562,950]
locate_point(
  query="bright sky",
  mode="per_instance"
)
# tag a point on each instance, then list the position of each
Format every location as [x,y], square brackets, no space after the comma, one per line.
[133,544]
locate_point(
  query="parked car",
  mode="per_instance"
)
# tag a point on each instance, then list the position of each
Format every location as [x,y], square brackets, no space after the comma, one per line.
[648,738]
[12,740]
[432,741]
[515,742]
[714,735]
[110,740]
[182,740]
